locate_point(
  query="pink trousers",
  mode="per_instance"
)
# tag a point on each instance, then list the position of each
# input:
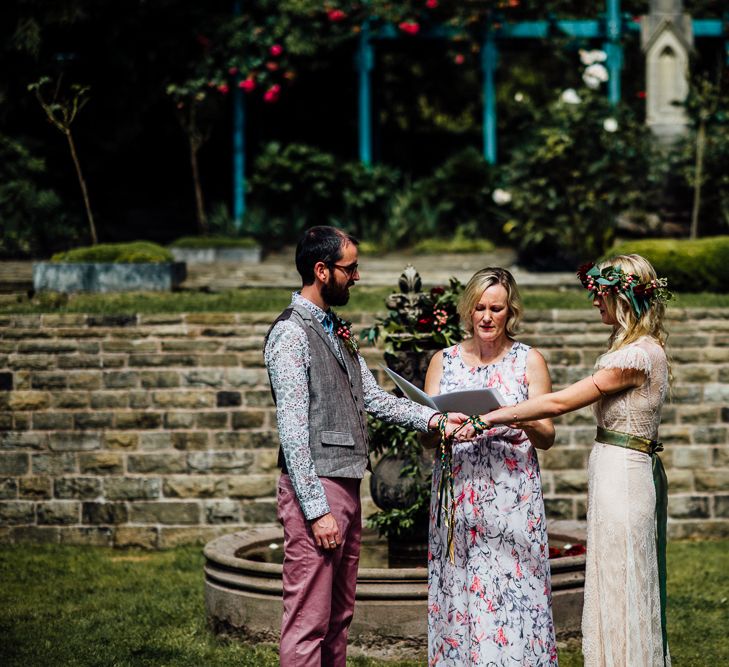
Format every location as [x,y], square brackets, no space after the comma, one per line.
[318,585]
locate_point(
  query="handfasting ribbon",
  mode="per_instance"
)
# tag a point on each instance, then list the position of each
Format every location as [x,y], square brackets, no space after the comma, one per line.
[660,482]
[445,484]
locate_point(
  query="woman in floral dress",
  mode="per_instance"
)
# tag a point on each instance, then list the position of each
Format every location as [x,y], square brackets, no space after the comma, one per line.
[489,592]
[623,622]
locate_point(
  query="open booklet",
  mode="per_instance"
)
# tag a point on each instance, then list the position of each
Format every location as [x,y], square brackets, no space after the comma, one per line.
[470,402]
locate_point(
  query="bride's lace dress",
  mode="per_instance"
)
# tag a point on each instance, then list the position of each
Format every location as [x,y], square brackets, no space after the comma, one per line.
[621,623]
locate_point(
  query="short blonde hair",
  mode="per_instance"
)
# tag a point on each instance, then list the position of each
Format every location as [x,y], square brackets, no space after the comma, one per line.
[630,326]
[478,284]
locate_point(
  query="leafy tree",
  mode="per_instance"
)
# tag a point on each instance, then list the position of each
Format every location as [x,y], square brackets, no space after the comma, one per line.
[706,152]
[31,215]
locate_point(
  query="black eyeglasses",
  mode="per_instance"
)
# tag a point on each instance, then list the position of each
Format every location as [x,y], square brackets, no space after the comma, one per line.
[350,270]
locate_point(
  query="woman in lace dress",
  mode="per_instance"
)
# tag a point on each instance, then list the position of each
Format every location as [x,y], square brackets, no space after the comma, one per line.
[489,598]
[623,622]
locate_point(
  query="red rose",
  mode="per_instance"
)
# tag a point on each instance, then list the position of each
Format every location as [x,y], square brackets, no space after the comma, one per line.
[336,15]
[431,4]
[223,88]
[248,85]
[272,94]
[276,50]
[554,552]
[410,27]
[437,290]
[424,324]
[271,66]
[459,59]
[575,550]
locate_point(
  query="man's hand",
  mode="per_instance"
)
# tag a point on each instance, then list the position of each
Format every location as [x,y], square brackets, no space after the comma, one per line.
[326,532]
[454,423]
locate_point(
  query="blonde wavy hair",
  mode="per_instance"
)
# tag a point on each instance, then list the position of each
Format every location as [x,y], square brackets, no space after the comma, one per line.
[630,326]
[481,281]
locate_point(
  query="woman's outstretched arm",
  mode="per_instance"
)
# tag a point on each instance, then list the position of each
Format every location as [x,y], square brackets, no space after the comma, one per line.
[576,396]
[539,431]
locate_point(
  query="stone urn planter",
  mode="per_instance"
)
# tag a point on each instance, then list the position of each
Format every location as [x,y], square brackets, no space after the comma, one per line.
[107,276]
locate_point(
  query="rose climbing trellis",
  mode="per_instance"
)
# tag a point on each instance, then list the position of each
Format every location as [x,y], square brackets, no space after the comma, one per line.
[609,29]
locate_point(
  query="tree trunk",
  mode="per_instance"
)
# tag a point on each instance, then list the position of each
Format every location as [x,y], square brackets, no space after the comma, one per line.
[84,191]
[202,220]
[698,175]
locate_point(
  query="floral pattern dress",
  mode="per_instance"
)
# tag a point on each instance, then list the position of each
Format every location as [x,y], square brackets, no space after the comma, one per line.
[492,606]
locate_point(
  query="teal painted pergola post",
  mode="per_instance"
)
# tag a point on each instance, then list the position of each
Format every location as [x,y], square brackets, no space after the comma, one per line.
[613,49]
[489,56]
[239,171]
[364,60]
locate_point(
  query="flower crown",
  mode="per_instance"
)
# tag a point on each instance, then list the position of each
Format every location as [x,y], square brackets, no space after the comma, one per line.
[613,280]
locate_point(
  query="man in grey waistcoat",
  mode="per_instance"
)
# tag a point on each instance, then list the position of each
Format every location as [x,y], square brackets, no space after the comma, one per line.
[323,390]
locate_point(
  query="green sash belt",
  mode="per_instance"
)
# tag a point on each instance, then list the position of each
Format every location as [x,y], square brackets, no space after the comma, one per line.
[650,447]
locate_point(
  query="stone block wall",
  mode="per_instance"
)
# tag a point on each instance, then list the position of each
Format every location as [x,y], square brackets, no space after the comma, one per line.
[157,430]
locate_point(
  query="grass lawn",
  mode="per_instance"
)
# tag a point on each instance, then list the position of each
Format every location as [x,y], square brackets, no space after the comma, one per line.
[92,606]
[364,299]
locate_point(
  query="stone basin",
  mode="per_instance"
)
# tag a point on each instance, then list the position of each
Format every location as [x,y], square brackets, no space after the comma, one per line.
[243,592]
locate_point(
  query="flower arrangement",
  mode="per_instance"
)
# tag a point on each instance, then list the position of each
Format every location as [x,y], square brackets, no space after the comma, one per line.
[419,321]
[613,279]
[417,324]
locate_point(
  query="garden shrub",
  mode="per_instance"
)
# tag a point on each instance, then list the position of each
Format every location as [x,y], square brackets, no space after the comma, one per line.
[690,265]
[136,252]
[214,242]
[456,198]
[583,164]
[298,186]
[32,218]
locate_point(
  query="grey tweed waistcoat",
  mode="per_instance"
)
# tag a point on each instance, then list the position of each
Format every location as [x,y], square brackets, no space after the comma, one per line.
[337,419]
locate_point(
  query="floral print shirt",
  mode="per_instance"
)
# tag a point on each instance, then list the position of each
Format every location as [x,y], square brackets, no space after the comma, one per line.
[288,359]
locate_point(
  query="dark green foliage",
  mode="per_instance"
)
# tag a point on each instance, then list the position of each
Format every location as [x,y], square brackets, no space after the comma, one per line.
[125,253]
[571,177]
[456,198]
[213,242]
[690,266]
[297,186]
[32,219]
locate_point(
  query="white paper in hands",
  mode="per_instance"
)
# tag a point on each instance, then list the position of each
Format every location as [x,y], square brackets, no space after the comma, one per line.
[469,402]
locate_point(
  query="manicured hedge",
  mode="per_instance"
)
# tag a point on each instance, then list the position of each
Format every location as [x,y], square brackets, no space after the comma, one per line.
[137,252]
[214,242]
[701,265]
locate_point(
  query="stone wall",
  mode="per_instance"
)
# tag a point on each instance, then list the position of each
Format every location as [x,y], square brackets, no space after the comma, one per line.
[157,430]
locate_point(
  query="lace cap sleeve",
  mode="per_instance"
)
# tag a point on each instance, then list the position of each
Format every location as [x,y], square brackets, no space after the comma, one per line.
[631,356]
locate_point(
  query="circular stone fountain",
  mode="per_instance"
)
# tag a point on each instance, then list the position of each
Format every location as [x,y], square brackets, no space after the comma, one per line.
[243,593]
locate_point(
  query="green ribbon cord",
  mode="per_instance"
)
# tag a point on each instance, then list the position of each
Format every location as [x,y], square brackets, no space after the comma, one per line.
[660,482]
[446,493]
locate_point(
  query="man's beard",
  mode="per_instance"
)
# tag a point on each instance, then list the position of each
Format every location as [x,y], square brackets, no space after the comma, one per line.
[334,295]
